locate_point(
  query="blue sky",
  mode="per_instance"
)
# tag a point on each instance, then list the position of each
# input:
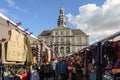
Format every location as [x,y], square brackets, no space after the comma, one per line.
[39,15]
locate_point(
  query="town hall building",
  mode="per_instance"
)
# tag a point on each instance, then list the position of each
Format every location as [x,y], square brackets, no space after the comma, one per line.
[63,40]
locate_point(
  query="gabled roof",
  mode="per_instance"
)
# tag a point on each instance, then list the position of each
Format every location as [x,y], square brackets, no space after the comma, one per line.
[78,32]
[75,32]
[45,33]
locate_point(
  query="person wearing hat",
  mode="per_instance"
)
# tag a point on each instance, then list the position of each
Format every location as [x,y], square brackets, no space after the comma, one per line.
[61,69]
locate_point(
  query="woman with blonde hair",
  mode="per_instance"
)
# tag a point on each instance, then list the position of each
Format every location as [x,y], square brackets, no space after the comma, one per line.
[79,68]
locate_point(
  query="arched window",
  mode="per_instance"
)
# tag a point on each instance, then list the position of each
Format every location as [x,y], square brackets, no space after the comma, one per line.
[62,50]
[56,49]
[67,50]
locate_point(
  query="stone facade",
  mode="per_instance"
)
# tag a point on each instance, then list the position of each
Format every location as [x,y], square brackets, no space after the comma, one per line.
[64,40]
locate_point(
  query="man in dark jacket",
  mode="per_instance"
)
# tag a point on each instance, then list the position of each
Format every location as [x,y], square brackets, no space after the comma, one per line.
[61,69]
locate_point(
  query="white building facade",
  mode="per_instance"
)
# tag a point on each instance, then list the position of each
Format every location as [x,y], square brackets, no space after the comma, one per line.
[64,40]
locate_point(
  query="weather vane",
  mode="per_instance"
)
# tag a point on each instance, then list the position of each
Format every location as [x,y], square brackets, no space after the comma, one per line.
[61,1]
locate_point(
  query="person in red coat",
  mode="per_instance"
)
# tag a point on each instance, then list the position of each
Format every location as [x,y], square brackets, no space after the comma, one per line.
[70,69]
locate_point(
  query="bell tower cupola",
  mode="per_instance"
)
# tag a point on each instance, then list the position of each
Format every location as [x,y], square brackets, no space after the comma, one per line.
[61,18]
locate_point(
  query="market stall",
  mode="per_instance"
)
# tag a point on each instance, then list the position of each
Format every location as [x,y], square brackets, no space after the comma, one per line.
[16,46]
[105,55]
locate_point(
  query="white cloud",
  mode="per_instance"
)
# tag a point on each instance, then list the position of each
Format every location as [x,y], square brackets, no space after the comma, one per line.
[96,21]
[4,11]
[7,12]
[10,2]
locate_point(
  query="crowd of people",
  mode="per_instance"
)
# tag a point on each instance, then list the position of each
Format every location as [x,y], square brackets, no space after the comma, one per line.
[63,68]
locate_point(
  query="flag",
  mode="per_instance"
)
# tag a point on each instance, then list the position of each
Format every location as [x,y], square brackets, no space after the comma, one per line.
[31,33]
[18,24]
[26,29]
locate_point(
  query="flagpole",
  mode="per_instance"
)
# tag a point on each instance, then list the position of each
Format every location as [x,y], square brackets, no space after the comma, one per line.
[61,2]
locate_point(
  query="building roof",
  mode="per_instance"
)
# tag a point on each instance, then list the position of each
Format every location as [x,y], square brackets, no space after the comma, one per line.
[78,32]
[45,33]
[75,32]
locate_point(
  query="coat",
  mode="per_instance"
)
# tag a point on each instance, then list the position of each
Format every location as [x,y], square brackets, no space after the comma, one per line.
[64,68]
